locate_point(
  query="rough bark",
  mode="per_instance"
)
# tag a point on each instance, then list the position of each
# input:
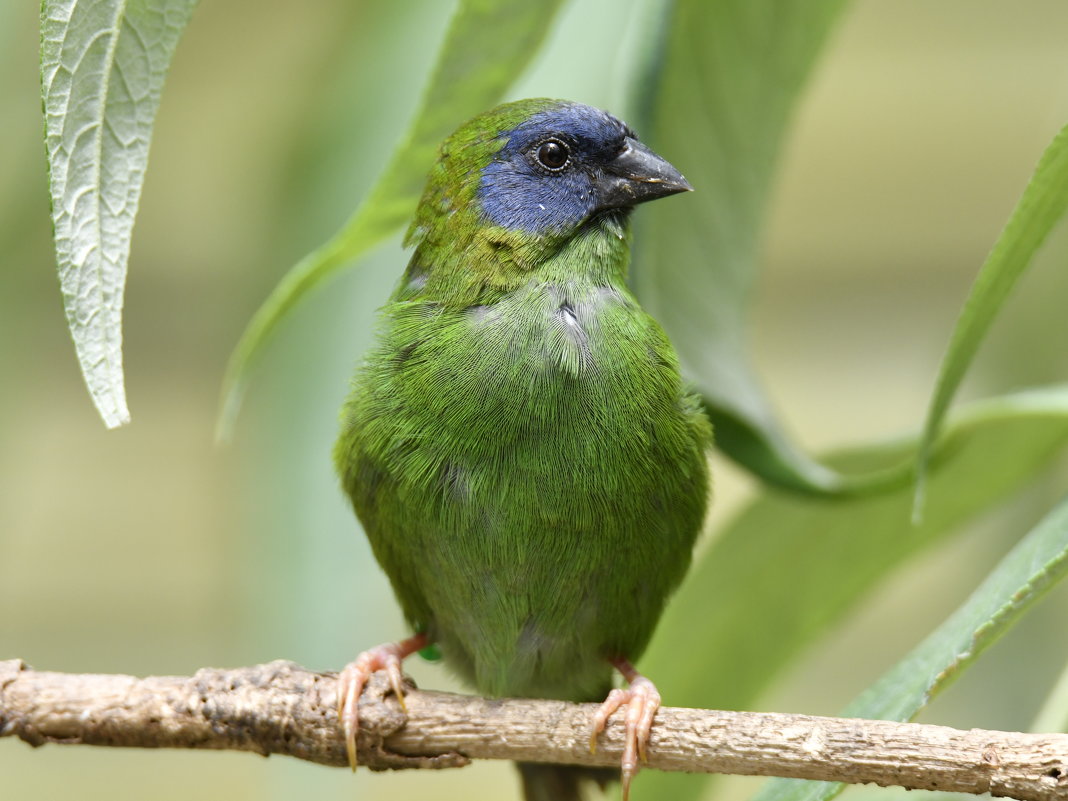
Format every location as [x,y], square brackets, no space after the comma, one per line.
[281,708]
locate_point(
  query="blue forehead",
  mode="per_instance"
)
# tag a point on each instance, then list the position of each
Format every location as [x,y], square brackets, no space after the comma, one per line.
[515,195]
[584,125]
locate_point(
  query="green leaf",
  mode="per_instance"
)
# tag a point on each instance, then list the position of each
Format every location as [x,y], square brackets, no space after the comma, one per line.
[488,45]
[1032,567]
[102,70]
[789,566]
[1053,716]
[721,95]
[1043,204]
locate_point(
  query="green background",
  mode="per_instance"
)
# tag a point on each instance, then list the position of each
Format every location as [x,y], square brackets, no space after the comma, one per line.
[151,550]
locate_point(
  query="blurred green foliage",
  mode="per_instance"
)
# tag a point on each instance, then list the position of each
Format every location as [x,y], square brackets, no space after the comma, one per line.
[149,550]
[487,46]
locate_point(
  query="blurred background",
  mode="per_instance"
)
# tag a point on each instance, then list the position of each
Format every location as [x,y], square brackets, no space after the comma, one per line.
[150,550]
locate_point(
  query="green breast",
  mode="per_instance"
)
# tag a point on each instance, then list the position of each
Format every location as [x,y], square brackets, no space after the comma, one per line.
[531,476]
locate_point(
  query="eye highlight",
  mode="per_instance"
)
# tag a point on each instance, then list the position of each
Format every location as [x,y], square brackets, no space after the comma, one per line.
[553,154]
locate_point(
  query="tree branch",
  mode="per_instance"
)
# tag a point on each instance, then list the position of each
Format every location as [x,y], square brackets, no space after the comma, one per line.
[281,708]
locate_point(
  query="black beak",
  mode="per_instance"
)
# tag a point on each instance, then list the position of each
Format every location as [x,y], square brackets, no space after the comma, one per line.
[635,176]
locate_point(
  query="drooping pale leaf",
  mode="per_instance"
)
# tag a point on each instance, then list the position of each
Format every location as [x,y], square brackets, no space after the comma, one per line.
[1037,562]
[789,566]
[102,68]
[488,45]
[1042,205]
[720,97]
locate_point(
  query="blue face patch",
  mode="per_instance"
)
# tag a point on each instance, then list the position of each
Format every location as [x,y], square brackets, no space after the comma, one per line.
[518,190]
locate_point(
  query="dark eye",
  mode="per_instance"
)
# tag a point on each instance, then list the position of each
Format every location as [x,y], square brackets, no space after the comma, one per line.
[553,154]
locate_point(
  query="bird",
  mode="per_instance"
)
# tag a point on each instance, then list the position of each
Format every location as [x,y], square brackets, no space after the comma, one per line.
[519,444]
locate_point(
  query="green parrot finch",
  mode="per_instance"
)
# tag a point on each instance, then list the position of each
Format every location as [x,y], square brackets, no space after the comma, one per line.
[519,446]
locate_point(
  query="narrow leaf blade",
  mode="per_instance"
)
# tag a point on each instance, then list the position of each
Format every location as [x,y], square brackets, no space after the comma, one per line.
[789,566]
[488,45]
[102,69]
[721,96]
[1037,562]
[1042,205]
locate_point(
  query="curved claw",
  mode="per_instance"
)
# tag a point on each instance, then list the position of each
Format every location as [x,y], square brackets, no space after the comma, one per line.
[614,701]
[641,700]
[354,677]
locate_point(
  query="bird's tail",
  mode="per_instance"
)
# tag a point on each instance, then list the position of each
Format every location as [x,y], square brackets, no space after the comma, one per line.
[544,782]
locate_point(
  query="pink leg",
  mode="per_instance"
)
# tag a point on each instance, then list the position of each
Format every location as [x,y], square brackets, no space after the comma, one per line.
[351,681]
[642,700]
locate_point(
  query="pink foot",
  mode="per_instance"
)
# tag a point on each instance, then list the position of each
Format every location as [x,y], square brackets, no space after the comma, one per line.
[351,681]
[641,700]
